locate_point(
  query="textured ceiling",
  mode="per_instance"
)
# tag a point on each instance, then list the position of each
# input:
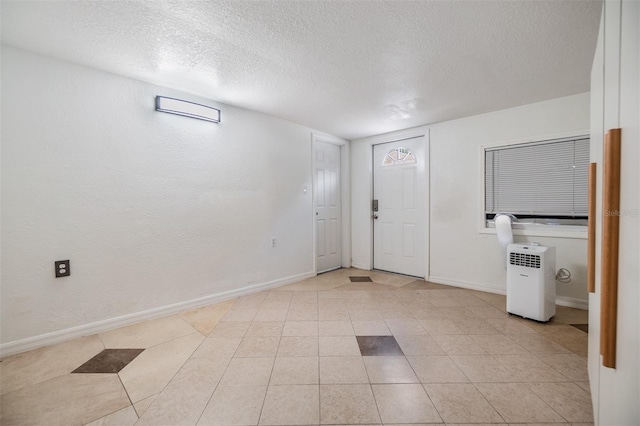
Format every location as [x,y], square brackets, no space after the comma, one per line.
[350,68]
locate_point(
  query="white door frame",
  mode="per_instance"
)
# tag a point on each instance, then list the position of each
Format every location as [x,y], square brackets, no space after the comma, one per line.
[365,205]
[345,197]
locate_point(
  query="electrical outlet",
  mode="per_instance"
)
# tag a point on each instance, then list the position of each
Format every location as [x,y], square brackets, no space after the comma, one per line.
[273,241]
[63,268]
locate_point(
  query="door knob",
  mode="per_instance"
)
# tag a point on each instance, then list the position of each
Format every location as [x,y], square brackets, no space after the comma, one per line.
[375,216]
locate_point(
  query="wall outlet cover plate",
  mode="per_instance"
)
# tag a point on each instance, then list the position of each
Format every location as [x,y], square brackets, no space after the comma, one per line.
[63,268]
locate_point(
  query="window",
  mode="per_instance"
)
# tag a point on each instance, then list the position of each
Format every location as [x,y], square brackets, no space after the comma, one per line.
[398,156]
[543,182]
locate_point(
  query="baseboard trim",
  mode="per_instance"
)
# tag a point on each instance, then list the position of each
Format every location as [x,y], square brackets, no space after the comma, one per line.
[60,336]
[572,302]
[466,284]
[362,266]
[560,300]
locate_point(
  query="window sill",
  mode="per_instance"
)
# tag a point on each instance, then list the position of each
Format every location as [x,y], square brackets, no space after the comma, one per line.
[550,231]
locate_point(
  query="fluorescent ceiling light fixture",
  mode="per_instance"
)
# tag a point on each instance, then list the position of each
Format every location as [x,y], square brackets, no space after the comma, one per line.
[188,109]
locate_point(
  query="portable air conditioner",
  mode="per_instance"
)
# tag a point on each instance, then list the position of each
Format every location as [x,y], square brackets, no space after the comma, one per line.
[531,281]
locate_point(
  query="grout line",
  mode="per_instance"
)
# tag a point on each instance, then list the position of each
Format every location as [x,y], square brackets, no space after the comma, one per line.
[269,381]
[527,385]
[487,399]
[432,403]
[129,397]
[273,364]
[115,411]
[215,388]
[375,401]
[176,373]
[226,368]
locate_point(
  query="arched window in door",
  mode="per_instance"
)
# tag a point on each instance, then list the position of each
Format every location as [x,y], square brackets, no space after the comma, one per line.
[398,156]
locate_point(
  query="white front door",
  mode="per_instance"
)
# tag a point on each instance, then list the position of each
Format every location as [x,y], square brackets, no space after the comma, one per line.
[327,206]
[399,224]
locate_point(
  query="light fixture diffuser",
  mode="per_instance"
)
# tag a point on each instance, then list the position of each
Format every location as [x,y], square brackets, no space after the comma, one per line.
[188,109]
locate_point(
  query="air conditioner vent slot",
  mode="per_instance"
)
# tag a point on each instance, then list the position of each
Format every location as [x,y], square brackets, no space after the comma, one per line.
[526,260]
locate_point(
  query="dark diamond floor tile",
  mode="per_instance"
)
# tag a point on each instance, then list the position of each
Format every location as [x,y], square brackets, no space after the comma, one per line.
[109,361]
[355,279]
[583,327]
[378,346]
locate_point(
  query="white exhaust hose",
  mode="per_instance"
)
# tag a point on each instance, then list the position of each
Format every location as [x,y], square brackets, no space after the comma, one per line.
[504,233]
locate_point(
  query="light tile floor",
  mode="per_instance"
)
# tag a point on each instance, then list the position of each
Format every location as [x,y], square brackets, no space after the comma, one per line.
[290,356]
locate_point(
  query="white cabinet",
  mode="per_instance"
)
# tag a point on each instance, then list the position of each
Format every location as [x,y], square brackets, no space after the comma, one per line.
[615,103]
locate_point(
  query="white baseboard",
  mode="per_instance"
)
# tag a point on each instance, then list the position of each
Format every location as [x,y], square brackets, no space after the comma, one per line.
[572,302]
[47,339]
[466,284]
[362,266]
[560,300]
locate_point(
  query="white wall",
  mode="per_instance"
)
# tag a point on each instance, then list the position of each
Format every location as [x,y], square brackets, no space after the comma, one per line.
[459,253]
[152,209]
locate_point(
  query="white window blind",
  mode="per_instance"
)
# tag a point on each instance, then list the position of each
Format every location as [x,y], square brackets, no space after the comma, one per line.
[546,179]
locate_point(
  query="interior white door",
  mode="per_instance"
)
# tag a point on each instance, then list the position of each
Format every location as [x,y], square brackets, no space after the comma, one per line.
[399,224]
[327,206]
